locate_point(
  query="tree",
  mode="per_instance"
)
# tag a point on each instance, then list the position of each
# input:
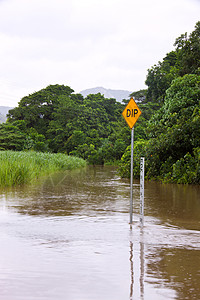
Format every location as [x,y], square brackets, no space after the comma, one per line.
[174,130]
[77,138]
[188,52]
[139,96]
[185,59]
[11,137]
[159,78]
[36,141]
[57,119]
[172,150]
[125,163]
[37,109]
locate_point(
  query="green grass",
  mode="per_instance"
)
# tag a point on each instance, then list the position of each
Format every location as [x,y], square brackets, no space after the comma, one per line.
[23,167]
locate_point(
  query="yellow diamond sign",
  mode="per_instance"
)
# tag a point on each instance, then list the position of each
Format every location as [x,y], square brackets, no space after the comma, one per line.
[131,113]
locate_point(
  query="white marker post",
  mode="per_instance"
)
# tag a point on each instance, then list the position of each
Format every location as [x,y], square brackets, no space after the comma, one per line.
[142,191]
[131,114]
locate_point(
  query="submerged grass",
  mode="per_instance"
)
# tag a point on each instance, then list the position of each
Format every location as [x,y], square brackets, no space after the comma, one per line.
[23,167]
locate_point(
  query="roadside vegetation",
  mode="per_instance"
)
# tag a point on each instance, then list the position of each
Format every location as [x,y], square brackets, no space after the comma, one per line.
[167,134]
[20,167]
[172,144]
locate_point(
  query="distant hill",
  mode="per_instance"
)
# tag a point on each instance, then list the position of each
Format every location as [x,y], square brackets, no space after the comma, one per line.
[119,95]
[2,118]
[3,112]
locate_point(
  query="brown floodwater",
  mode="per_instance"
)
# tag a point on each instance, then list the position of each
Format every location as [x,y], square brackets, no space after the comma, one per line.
[68,236]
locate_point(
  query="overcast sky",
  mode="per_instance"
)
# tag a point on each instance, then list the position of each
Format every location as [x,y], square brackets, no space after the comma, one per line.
[86,43]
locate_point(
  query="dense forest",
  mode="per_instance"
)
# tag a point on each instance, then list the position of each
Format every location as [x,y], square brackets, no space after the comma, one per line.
[55,119]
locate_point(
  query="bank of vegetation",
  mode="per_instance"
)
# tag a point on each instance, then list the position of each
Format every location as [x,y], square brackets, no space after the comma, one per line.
[57,120]
[20,167]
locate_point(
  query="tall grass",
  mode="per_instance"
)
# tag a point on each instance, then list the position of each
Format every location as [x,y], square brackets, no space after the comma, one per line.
[23,167]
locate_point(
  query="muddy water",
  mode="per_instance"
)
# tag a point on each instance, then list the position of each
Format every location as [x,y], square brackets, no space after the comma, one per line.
[68,237]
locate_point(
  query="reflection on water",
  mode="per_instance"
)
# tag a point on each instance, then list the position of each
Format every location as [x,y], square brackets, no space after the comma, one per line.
[141,268]
[68,237]
[132,272]
[140,276]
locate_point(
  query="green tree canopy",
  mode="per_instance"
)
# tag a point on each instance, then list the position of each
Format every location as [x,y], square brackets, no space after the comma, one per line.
[57,119]
[185,59]
[174,131]
[37,109]
[188,52]
[12,137]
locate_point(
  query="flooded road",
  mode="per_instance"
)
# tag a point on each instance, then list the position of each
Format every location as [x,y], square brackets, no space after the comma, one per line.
[68,237]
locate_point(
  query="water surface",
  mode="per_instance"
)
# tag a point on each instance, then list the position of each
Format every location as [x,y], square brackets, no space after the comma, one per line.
[68,237]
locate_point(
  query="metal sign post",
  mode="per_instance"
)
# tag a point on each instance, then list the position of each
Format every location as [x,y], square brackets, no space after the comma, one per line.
[142,191]
[131,180]
[131,114]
